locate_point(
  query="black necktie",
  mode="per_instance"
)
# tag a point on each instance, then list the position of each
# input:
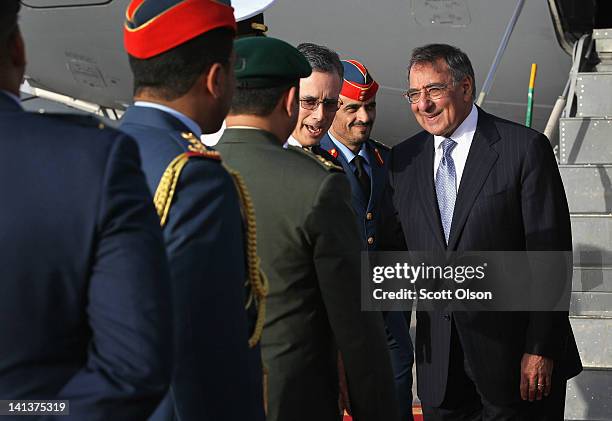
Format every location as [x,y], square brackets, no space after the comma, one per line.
[362,175]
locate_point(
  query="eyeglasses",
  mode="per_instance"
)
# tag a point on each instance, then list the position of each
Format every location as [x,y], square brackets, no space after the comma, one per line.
[312,104]
[431,92]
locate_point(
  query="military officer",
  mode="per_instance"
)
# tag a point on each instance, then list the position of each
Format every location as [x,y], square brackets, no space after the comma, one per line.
[84,315]
[363,160]
[184,81]
[309,246]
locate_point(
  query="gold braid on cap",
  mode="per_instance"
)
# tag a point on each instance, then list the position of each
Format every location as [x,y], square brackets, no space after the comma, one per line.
[256,277]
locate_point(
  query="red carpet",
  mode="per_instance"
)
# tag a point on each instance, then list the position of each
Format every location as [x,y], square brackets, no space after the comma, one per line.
[416,410]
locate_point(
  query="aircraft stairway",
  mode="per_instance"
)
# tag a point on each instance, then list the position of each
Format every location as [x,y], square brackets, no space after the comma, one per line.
[585,163]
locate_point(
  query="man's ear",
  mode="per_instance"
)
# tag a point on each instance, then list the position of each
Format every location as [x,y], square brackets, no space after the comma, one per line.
[468,87]
[16,48]
[290,100]
[215,80]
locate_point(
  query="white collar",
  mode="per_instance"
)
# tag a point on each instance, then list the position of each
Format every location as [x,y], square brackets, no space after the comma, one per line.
[191,125]
[465,131]
[292,141]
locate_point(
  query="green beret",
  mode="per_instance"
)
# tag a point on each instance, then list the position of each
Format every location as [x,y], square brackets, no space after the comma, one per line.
[264,62]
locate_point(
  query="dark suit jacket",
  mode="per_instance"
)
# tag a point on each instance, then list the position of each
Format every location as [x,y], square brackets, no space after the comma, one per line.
[510,198]
[216,376]
[84,314]
[309,246]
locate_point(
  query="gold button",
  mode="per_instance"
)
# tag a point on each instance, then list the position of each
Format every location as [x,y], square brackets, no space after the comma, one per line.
[369,216]
[370,240]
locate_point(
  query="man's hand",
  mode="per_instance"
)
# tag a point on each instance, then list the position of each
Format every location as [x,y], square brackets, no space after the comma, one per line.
[536,373]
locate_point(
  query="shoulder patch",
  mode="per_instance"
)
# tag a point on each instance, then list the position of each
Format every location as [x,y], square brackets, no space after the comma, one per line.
[197,148]
[328,165]
[380,145]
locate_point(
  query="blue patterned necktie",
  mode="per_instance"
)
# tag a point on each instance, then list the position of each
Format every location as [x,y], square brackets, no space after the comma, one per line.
[446,186]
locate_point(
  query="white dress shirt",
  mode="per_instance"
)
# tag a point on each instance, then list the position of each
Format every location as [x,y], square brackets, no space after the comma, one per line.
[463,135]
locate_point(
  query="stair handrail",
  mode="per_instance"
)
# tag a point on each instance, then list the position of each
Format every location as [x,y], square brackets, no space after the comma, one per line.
[577,57]
[488,83]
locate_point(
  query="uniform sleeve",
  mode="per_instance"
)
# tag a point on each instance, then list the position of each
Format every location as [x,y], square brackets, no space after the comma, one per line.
[547,228]
[204,237]
[359,334]
[128,365]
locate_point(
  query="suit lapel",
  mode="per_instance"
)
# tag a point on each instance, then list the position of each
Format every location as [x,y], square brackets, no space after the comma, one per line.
[378,176]
[427,190]
[477,168]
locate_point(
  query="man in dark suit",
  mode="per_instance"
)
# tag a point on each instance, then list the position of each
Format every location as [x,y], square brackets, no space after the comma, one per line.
[472,181]
[183,87]
[364,162]
[309,246]
[83,311]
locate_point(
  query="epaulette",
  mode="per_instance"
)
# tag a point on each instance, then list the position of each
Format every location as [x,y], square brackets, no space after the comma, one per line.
[380,145]
[328,165]
[169,180]
[197,148]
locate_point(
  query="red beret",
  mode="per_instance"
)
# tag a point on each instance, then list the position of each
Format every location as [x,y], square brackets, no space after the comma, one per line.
[153,27]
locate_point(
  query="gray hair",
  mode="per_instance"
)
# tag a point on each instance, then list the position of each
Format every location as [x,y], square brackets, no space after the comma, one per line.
[458,62]
[321,58]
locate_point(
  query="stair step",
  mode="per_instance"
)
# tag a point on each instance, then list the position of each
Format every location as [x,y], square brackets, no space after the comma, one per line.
[592,239]
[592,279]
[586,140]
[588,396]
[594,304]
[589,89]
[603,40]
[594,342]
[588,187]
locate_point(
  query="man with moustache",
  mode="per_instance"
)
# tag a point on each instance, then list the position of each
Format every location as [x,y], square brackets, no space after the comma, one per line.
[472,181]
[364,162]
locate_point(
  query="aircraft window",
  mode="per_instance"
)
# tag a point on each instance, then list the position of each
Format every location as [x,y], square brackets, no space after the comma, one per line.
[441,12]
[49,4]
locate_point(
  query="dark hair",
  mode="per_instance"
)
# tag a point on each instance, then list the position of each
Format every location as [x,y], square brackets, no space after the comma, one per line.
[258,101]
[321,59]
[9,10]
[458,62]
[173,73]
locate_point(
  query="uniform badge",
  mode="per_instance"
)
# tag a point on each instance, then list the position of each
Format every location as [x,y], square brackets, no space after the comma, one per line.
[379,157]
[334,153]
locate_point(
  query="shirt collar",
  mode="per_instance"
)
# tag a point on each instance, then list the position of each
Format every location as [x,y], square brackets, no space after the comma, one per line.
[189,123]
[292,141]
[465,131]
[12,96]
[348,154]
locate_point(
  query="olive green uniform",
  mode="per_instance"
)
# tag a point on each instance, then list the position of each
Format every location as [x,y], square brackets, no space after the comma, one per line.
[309,246]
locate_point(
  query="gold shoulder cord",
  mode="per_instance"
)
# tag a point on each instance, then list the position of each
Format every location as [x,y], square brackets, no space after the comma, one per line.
[257,278]
[167,186]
